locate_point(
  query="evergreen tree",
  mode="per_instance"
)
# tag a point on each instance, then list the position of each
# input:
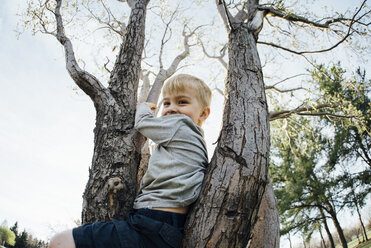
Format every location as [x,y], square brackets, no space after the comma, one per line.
[312,158]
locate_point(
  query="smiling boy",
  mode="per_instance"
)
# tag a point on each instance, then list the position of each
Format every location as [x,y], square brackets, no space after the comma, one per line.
[173,178]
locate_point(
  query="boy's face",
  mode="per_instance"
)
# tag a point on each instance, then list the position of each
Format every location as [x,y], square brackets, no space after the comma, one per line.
[185,102]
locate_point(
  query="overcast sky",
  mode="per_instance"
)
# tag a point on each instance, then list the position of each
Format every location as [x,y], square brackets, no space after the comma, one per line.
[46,131]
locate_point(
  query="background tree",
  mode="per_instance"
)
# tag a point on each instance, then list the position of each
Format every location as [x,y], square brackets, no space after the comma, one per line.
[310,162]
[350,147]
[237,175]
[25,240]
[7,237]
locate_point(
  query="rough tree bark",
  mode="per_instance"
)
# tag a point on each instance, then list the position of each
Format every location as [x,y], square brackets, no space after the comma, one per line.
[266,232]
[234,185]
[111,187]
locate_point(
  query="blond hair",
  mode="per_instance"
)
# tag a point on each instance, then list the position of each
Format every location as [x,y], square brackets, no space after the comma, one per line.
[180,82]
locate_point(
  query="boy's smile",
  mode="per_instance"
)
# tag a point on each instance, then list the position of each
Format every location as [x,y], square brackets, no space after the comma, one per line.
[185,102]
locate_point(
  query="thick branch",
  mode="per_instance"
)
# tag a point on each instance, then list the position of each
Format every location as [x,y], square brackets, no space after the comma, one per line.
[286,113]
[145,87]
[124,79]
[87,82]
[325,113]
[296,18]
[224,13]
[283,91]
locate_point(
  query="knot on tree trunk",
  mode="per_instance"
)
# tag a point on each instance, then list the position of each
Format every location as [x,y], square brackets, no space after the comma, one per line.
[114,184]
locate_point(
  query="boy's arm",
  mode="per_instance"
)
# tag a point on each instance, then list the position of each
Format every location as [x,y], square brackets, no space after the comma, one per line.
[159,129]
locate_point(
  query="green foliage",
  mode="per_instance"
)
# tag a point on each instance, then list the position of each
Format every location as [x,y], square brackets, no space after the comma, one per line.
[351,144]
[300,186]
[323,163]
[7,236]
[349,98]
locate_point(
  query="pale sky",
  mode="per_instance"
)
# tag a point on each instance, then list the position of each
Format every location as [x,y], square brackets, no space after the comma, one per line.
[46,131]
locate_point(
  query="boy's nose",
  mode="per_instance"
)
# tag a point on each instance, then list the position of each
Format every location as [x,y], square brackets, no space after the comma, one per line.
[171,110]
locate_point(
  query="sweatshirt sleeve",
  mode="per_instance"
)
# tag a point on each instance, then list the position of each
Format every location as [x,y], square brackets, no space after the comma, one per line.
[159,129]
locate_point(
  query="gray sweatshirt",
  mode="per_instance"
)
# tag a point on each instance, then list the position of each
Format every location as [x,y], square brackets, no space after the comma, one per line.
[177,166]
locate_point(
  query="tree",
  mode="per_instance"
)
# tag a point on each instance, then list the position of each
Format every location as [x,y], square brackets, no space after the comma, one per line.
[312,166]
[25,239]
[303,185]
[6,236]
[351,142]
[238,173]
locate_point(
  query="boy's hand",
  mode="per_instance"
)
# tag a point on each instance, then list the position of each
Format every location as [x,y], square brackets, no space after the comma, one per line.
[152,106]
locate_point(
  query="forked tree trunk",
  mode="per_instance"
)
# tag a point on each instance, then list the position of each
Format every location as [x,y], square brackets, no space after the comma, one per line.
[236,178]
[111,188]
[234,185]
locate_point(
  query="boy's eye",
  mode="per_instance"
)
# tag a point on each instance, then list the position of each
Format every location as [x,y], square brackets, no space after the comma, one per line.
[166,103]
[183,102]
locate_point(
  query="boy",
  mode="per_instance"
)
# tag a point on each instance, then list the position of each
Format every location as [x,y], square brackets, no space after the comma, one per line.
[173,179]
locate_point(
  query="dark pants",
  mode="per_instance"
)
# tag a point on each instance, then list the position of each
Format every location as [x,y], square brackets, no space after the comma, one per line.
[143,228]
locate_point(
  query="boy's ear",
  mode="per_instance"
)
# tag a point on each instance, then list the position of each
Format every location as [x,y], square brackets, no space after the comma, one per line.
[205,113]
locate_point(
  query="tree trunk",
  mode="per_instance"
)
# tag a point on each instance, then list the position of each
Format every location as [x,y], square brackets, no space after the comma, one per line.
[332,243]
[364,233]
[289,238]
[111,187]
[234,184]
[322,238]
[339,230]
[266,232]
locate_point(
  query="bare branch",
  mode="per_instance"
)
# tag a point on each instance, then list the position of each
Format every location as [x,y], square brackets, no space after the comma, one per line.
[42,23]
[121,27]
[283,80]
[286,113]
[296,18]
[144,76]
[326,114]
[218,90]
[219,58]
[105,65]
[165,74]
[273,86]
[87,82]
[283,91]
[326,25]
[163,40]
